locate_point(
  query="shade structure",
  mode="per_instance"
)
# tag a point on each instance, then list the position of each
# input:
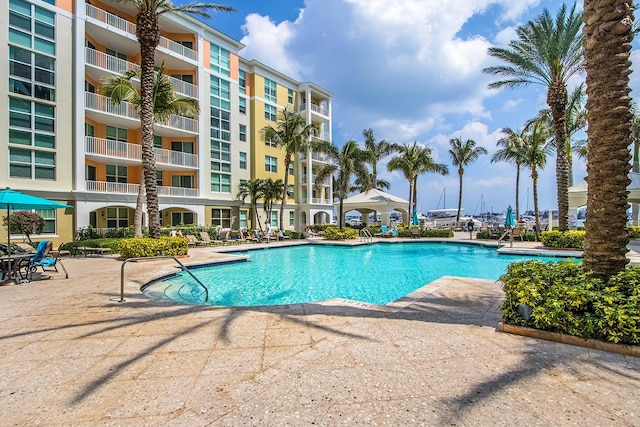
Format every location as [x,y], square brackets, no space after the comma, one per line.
[578,192]
[15,200]
[509,221]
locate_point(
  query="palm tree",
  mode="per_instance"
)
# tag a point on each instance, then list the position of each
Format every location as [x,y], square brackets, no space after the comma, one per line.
[608,36]
[635,137]
[414,160]
[462,154]
[512,151]
[547,52]
[346,162]
[272,192]
[376,151]
[535,150]
[253,189]
[122,88]
[293,134]
[148,34]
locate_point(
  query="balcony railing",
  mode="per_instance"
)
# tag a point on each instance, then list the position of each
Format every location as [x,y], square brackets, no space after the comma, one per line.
[120,66]
[125,109]
[128,151]
[129,27]
[124,188]
[317,201]
[315,108]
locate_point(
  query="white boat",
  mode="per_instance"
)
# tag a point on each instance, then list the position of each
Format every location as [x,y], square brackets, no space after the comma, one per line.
[446,218]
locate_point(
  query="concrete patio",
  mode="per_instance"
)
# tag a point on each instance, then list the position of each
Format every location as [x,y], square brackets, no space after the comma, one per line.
[71,354]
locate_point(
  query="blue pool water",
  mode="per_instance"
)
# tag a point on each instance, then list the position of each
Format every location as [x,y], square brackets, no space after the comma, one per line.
[377,274]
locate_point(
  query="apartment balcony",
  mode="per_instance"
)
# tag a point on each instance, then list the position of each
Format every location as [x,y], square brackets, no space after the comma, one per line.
[103,62]
[315,109]
[101,21]
[100,149]
[306,179]
[318,157]
[124,188]
[316,201]
[125,112]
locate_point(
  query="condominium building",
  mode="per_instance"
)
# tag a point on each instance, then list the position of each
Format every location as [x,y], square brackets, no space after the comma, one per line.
[65,140]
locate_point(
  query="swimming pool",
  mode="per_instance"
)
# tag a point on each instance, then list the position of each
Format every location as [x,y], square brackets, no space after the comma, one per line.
[377,274]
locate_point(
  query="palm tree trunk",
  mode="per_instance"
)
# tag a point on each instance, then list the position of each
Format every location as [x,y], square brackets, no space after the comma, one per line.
[460,173]
[341,214]
[285,190]
[635,168]
[608,35]
[414,201]
[534,178]
[517,191]
[411,186]
[137,217]
[557,100]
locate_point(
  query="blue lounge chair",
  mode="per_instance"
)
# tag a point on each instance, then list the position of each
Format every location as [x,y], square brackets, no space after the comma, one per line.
[43,260]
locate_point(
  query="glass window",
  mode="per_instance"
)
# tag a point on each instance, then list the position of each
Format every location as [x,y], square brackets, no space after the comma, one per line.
[274,218]
[242,82]
[291,168]
[182,218]
[159,178]
[270,113]
[243,160]
[157,141]
[270,90]
[292,219]
[271,164]
[220,183]
[243,218]
[117,217]
[221,217]
[219,60]
[117,173]
[182,181]
[243,132]
[290,96]
[49,216]
[242,105]
[20,163]
[220,93]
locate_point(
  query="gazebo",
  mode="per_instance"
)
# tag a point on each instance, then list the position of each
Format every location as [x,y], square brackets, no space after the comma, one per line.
[578,192]
[375,201]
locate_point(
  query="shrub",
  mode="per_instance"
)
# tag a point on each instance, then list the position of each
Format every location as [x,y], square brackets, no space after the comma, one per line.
[334,233]
[436,233]
[24,222]
[560,297]
[634,232]
[145,247]
[572,239]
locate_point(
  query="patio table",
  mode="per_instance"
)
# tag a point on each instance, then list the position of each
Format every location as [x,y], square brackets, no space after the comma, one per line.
[10,266]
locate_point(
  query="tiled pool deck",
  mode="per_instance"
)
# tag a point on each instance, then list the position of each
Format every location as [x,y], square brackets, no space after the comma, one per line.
[71,354]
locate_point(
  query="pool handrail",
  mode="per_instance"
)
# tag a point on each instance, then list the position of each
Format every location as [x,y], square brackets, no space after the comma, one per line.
[184,268]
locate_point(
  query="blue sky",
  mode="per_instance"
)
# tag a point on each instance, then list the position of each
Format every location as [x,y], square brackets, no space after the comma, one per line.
[411,71]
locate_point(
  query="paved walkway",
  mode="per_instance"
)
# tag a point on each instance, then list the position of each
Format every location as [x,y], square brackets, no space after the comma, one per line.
[71,354]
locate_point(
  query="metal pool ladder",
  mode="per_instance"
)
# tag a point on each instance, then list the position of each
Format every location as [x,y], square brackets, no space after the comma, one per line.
[365,235]
[206,291]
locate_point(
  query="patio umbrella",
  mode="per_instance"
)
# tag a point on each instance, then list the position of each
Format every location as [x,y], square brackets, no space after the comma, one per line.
[509,220]
[415,220]
[14,200]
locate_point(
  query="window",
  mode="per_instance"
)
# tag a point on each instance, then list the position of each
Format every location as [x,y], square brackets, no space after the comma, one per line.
[219,60]
[117,217]
[32,74]
[188,78]
[274,218]
[291,168]
[242,105]
[32,164]
[271,164]
[159,178]
[292,218]
[220,156]
[243,160]
[157,141]
[270,90]
[181,218]
[91,173]
[115,54]
[117,173]
[270,143]
[182,181]
[49,216]
[116,134]
[243,218]
[220,93]
[270,113]
[290,96]
[290,191]
[220,124]
[32,27]
[182,147]
[242,82]
[32,115]
[243,133]
[220,183]
[221,217]
[89,130]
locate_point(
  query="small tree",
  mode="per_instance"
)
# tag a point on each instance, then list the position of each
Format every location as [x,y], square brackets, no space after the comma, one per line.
[24,222]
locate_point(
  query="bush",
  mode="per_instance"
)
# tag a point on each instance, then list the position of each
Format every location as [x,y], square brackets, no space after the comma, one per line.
[573,239]
[146,247]
[634,232]
[560,297]
[24,222]
[334,233]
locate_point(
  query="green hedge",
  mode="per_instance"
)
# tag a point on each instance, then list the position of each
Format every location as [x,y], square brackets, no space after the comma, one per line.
[634,232]
[334,233]
[143,247]
[559,297]
[111,243]
[572,239]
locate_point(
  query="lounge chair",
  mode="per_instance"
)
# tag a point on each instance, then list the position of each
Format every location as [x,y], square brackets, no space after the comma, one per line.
[516,233]
[205,239]
[25,247]
[384,231]
[60,252]
[42,259]
[415,232]
[193,242]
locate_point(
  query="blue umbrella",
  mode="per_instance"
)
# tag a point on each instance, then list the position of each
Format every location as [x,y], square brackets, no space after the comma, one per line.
[14,200]
[509,220]
[415,220]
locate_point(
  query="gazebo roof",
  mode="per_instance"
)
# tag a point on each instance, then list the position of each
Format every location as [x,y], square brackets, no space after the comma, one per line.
[578,192]
[376,200]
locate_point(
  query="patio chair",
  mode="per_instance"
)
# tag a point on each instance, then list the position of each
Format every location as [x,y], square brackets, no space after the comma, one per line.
[193,241]
[415,232]
[517,234]
[60,252]
[205,239]
[43,259]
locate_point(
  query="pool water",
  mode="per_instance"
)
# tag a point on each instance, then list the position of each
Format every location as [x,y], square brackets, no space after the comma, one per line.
[377,274]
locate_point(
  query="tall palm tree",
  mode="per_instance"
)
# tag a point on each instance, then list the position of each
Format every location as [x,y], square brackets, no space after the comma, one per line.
[293,135]
[576,115]
[535,151]
[148,34]
[548,51]
[272,193]
[608,35]
[122,88]
[414,160]
[376,151]
[253,189]
[512,151]
[462,154]
[346,163]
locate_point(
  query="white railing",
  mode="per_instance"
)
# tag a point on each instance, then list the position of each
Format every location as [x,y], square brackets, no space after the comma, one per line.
[120,66]
[181,122]
[125,150]
[104,104]
[315,108]
[129,27]
[317,201]
[119,187]
[177,191]
[305,179]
